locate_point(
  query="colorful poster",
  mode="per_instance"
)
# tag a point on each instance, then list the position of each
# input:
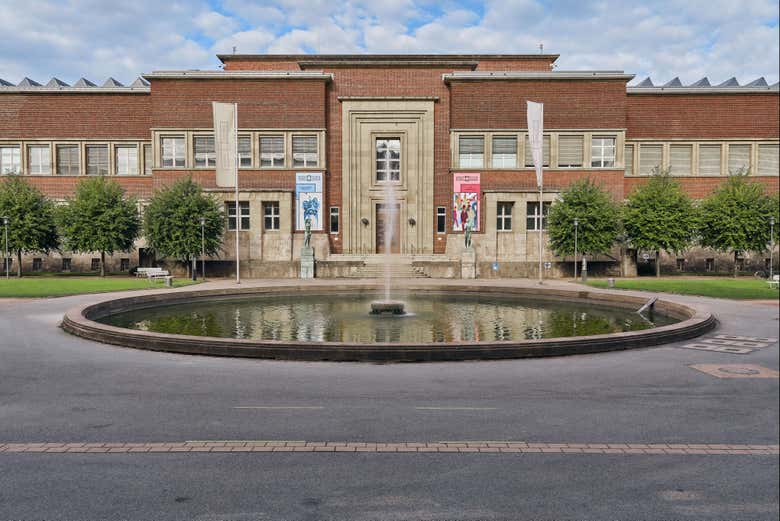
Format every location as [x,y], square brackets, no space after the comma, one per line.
[465,202]
[308,200]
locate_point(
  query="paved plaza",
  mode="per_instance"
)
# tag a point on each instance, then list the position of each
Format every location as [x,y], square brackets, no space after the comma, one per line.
[683,431]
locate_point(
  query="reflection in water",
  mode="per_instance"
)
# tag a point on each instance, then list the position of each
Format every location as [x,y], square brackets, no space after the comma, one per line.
[345,318]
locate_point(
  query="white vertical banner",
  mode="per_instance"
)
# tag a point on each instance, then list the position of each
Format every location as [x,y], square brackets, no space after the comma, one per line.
[225,142]
[535,136]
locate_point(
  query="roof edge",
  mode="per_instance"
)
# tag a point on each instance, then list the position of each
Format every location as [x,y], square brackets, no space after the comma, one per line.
[384,57]
[536,75]
[773,89]
[237,75]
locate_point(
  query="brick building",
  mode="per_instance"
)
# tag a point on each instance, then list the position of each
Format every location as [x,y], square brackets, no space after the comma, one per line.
[446,133]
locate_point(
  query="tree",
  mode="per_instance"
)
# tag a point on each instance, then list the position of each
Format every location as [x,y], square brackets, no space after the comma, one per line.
[659,215]
[172,222]
[31,222]
[99,218]
[598,215]
[735,217]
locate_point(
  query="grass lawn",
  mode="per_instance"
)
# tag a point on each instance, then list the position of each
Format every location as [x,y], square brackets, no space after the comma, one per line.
[740,288]
[58,286]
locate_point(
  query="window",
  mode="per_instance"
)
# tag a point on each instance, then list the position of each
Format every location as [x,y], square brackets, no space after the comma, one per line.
[709,160]
[39,159]
[126,158]
[205,154]
[97,160]
[304,151]
[148,159]
[504,217]
[388,159]
[245,151]
[529,158]
[7,262]
[37,264]
[680,159]
[767,263]
[66,263]
[172,149]
[271,215]
[471,151]
[231,213]
[709,264]
[67,160]
[768,163]
[629,159]
[680,264]
[441,219]
[740,264]
[570,150]
[334,219]
[272,151]
[532,216]
[739,158]
[124,264]
[602,152]
[10,160]
[95,265]
[649,158]
[504,152]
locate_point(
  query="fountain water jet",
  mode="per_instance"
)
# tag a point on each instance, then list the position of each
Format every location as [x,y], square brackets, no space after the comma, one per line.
[389,306]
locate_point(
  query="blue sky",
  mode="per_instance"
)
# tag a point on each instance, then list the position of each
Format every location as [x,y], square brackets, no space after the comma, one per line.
[660,38]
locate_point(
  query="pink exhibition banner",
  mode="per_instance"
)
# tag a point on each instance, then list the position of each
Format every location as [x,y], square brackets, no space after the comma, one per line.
[465,202]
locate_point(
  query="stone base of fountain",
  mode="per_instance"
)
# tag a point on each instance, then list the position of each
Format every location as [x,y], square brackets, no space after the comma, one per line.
[387,307]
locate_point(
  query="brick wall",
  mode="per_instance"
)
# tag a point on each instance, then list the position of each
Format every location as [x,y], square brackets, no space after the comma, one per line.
[250,64]
[517,64]
[247,179]
[554,180]
[701,187]
[58,187]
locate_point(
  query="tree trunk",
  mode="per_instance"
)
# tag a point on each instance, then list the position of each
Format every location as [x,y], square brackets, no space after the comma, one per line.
[102,264]
[187,263]
[658,263]
[18,263]
[736,271]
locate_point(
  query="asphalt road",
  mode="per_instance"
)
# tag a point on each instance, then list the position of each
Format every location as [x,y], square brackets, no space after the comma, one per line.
[58,388]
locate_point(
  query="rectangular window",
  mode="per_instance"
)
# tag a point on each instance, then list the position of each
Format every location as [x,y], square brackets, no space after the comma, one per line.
[602,152]
[244,151]
[172,149]
[650,157]
[148,159]
[388,159]
[39,159]
[739,158]
[304,151]
[709,264]
[504,216]
[10,160]
[441,219]
[680,264]
[334,219]
[126,158]
[529,158]
[272,151]
[471,151]
[95,265]
[570,150]
[37,264]
[124,264]
[628,158]
[504,152]
[97,159]
[271,215]
[66,263]
[680,159]
[231,215]
[67,160]
[709,160]
[205,154]
[533,217]
[768,163]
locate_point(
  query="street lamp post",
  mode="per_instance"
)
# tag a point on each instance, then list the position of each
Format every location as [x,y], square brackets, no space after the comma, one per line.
[5,252]
[203,248]
[771,246]
[576,226]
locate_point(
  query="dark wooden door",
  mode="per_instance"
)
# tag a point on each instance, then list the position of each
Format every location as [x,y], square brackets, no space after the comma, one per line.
[387,222]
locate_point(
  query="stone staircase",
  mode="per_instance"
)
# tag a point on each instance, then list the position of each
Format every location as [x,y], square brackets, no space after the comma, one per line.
[373,266]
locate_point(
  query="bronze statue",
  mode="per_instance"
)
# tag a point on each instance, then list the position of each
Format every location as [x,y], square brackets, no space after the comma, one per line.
[307,234]
[467,235]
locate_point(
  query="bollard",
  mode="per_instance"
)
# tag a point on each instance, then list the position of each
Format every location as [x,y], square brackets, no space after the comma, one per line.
[169,281]
[611,282]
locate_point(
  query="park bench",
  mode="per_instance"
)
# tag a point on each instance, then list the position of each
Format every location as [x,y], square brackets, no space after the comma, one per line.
[144,272]
[774,283]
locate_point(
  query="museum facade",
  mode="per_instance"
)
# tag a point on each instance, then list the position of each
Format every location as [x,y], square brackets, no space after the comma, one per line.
[330,136]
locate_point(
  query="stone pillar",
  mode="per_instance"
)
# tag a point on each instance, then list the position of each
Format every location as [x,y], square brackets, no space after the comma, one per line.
[468,264]
[307,262]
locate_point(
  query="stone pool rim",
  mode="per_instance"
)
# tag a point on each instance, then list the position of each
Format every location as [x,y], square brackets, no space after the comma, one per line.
[80,321]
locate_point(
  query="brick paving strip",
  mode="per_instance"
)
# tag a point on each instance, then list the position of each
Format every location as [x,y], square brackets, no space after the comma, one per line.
[515,447]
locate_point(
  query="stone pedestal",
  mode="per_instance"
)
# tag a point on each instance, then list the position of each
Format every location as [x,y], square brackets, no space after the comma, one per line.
[307,263]
[468,264]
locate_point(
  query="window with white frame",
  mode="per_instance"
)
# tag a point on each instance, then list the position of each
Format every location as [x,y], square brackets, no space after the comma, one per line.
[148,159]
[388,159]
[173,152]
[533,217]
[205,153]
[650,157]
[126,159]
[504,152]
[739,158]
[504,216]
[529,158]
[334,219]
[39,159]
[441,219]
[271,215]
[67,160]
[570,151]
[628,159]
[231,215]
[272,151]
[304,151]
[97,159]
[471,151]
[768,159]
[10,159]
[680,159]
[709,159]
[245,151]
[602,151]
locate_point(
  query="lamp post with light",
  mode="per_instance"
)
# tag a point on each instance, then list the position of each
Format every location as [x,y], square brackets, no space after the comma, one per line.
[771,246]
[203,248]
[5,259]
[576,226]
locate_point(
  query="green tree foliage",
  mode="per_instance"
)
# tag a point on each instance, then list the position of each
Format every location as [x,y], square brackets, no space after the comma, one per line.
[99,218]
[735,217]
[599,220]
[31,222]
[659,215]
[172,222]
